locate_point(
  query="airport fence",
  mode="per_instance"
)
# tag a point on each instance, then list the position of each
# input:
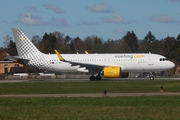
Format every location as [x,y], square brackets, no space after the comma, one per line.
[68,76]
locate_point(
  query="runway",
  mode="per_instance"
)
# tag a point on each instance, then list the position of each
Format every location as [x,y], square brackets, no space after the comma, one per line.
[95,94]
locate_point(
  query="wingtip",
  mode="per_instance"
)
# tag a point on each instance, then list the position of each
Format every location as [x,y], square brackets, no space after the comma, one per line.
[58,54]
[86,52]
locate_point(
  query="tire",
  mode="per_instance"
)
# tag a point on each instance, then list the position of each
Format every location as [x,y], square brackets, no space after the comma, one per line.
[152,78]
[98,77]
[92,78]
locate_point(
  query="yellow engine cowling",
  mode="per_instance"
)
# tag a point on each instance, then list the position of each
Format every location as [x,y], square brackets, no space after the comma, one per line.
[114,72]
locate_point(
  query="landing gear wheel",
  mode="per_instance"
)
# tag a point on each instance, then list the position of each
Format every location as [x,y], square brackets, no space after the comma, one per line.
[92,78]
[151,77]
[98,77]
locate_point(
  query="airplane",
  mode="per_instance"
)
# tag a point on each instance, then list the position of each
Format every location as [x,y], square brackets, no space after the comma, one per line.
[109,65]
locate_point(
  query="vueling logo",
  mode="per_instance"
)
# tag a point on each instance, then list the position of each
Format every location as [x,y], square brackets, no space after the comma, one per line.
[139,56]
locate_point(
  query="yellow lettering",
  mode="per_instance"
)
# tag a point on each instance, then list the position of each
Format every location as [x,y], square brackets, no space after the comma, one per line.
[139,56]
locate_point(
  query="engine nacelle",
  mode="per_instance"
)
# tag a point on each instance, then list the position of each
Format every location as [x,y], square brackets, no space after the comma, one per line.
[114,72]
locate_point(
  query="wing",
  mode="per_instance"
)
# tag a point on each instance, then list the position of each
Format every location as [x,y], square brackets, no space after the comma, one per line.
[91,67]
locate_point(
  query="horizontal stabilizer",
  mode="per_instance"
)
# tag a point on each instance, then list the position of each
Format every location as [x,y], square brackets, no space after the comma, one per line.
[19,60]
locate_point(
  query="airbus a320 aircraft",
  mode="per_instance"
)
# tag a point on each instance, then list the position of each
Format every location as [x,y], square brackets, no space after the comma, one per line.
[109,65]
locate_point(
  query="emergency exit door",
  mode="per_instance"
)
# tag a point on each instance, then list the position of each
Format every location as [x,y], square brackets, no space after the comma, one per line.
[151,59]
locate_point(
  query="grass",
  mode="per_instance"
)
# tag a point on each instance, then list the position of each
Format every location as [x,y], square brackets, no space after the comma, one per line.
[105,108]
[90,87]
[86,108]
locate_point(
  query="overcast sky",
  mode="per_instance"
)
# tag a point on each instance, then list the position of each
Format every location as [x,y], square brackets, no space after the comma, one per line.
[108,19]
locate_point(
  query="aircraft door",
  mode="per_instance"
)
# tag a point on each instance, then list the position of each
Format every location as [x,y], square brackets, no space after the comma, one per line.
[151,59]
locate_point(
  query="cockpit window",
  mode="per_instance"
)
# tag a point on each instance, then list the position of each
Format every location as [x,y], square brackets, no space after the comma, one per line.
[163,59]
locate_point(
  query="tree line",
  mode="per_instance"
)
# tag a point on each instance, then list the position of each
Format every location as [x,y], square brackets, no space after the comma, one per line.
[129,43]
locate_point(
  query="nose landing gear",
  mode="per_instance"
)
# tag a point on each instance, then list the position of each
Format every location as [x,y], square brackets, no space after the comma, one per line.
[151,77]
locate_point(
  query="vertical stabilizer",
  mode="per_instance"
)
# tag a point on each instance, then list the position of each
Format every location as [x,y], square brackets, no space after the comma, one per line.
[28,53]
[23,44]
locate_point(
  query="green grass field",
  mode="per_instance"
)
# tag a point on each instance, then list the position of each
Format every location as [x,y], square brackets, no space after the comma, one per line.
[105,108]
[86,108]
[90,87]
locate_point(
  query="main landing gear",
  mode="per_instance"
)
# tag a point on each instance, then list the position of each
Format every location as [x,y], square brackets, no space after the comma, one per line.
[93,78]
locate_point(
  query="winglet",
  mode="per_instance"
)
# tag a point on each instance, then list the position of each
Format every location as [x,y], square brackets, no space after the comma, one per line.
[86,52]
[59,56]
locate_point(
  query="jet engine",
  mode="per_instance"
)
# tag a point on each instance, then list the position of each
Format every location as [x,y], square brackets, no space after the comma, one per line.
[114,72]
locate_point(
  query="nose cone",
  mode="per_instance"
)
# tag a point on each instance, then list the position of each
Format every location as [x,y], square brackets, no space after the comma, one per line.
[171,65]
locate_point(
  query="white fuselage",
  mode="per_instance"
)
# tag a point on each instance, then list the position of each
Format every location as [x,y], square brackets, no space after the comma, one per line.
[127,62]
[110,65]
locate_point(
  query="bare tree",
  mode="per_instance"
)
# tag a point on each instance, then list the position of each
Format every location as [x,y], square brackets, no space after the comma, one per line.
[78,45]
[97,44]
[88,41]
[7,40]
[36,40]
[59,43]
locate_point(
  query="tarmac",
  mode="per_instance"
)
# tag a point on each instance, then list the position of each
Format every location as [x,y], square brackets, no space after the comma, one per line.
[80,80]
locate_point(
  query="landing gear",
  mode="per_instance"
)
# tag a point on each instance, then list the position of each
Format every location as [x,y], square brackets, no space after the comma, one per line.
[151,77]
[93,78]
[98,77]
